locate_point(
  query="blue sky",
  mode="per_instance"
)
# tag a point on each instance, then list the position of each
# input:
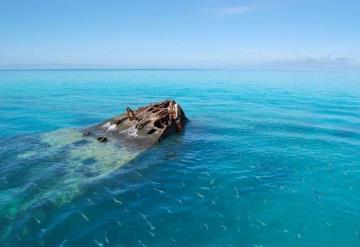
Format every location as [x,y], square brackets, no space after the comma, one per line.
[180,33]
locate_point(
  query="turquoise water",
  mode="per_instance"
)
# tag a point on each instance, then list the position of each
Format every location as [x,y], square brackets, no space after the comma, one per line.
[268,159]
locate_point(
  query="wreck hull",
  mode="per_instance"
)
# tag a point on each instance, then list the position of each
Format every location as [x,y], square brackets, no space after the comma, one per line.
[143,127]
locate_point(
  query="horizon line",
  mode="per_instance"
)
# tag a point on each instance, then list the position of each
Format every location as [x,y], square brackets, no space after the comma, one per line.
[195,69]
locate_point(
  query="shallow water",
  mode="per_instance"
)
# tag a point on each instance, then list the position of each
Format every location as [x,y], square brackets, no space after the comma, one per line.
[268,159]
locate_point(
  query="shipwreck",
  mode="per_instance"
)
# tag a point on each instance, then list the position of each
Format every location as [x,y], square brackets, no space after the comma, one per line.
[143,127]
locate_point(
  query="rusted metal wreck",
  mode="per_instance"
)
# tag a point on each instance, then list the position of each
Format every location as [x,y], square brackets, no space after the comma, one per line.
[142,127]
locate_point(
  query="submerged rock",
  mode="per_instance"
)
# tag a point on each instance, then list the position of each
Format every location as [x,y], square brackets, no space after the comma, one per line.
[142,127]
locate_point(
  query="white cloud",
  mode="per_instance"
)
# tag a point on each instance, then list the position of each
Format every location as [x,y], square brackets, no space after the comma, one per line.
[236,10]
[308,62]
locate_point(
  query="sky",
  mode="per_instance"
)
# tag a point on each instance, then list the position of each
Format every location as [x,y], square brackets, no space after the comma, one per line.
[301,34]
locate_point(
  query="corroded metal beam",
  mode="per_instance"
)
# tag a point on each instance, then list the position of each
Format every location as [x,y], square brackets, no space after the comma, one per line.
[142,127]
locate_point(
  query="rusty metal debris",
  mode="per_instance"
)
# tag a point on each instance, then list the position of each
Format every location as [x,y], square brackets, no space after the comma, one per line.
[142,127]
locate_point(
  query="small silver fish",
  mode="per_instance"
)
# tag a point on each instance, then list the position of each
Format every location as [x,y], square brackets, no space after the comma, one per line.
[151,234]
[214,201]
[206,226]
[117,201]
[138,173]
[141,243]
[106,238]
[37,220]
[183,184]
[148,222]
[261,222]
[199,195]
[98,243]
[161,191]
[63,242]
[84,216]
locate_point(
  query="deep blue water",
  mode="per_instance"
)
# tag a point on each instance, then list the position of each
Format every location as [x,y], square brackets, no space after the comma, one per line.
[268,159]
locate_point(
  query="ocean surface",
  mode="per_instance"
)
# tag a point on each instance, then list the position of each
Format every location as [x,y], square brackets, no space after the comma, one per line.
[269,158]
